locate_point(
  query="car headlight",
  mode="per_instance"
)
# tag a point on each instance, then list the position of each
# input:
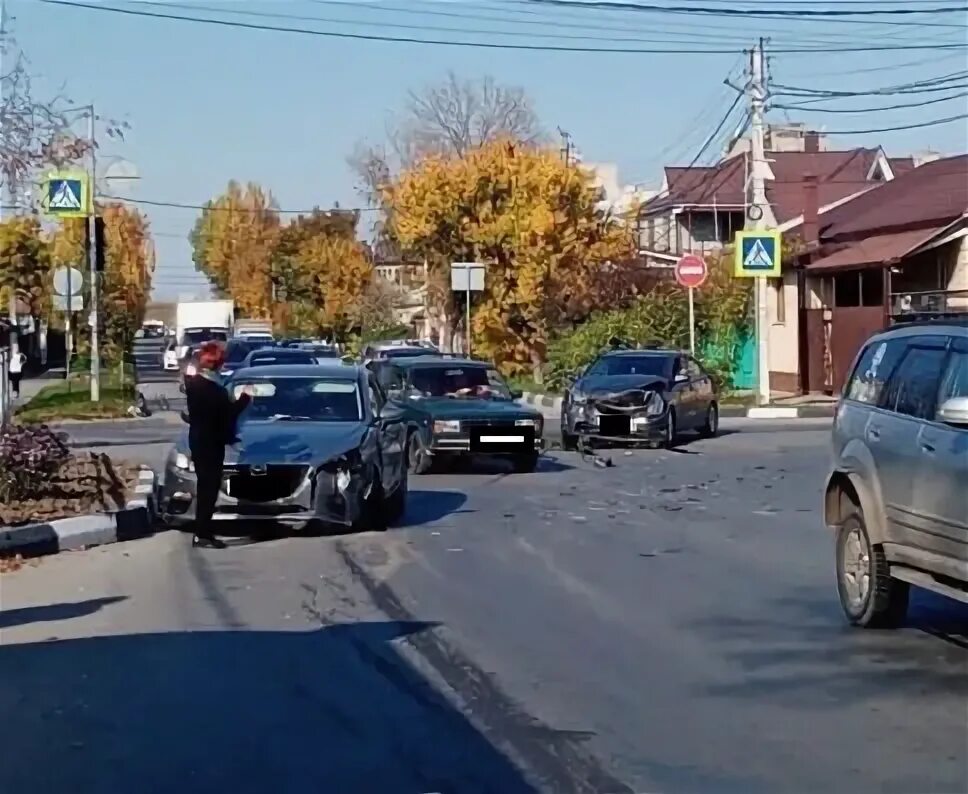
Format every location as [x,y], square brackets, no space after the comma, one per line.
[536,423]
[343,479]
[183,462]
[447,426]
[656,405]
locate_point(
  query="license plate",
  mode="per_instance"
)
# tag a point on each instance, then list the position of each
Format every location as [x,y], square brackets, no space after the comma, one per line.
[510,440]
[615,425]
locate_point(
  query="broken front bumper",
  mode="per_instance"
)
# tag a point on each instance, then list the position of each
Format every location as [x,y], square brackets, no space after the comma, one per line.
[282,492]
[589,422]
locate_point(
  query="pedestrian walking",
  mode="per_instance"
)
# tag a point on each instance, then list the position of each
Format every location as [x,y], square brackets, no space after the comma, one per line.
[212,418]
[16,368]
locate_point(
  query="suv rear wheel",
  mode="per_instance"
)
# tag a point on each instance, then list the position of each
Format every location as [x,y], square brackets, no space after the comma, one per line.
[869,596]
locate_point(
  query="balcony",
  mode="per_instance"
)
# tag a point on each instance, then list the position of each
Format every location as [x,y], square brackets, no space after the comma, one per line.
[936,304]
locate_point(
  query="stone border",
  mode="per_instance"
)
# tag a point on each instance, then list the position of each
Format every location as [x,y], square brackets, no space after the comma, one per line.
[136,520]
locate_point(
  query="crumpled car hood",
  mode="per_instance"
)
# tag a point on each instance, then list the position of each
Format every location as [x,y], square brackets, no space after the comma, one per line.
[309,443]
[599,386]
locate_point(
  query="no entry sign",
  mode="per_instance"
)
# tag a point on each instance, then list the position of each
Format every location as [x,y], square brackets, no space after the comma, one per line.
[691,271]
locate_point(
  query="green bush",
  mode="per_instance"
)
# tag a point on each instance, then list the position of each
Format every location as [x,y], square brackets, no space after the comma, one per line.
[661,316]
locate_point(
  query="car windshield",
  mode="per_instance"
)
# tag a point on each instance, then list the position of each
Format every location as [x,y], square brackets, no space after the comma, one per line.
[300,399]
[198,335]
[276,357]
[458,381]
[658,366]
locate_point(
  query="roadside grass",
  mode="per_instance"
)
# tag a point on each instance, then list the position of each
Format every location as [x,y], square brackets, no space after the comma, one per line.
[72,399]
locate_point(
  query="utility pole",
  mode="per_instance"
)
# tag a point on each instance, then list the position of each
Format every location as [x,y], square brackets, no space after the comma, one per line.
[756,92]
[7,194]
[566,146]
[92,258]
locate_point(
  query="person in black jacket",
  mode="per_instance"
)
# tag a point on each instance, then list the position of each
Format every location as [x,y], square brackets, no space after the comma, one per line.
[212,417]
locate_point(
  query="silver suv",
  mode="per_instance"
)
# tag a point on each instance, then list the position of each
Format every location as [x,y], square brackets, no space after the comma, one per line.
[897,496]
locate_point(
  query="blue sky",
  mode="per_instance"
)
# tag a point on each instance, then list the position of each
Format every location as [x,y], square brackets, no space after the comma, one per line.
[207,104]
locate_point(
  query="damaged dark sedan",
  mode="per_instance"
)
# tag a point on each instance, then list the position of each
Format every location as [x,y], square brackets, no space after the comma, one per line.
[317,444]
[639,396]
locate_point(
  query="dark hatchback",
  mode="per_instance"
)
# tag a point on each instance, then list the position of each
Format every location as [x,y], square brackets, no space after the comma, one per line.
[647,395]
[316,444]
[456,406]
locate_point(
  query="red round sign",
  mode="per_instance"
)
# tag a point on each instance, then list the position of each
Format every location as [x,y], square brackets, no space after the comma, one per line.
[691,271]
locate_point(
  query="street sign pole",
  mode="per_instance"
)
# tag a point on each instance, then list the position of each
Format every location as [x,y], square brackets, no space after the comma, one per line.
[757,98]
[692,323]
[691,272]
[467,277]
[92,255]
[467,317]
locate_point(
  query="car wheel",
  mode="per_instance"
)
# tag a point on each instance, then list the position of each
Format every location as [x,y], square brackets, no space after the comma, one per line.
[418,461]
[396,505]
[672,431]
[869,596]
[526,463]
[711,427]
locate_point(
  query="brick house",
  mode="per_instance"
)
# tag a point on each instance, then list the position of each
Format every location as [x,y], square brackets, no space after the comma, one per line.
[897,252]
[699,210]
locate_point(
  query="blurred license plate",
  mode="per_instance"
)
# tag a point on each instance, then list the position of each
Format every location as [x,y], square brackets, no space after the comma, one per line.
[514,440]
[615,425]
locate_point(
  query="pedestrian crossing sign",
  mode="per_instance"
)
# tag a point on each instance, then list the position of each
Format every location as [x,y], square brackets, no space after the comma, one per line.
[66,195]
[757,255]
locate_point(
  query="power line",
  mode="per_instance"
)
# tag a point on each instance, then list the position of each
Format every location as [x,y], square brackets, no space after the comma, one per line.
[179,205]
[485,44]
[749,12]
[932,123]
[872,109]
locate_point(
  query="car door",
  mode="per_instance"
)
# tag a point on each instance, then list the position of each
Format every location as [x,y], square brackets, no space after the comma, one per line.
[893,436]
[702,393]
[683,394]
[941,490]
[392,433]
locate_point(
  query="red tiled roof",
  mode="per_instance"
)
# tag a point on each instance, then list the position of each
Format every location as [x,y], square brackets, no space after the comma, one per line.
[901,165]
[931,195]
[875,250]
[839,174]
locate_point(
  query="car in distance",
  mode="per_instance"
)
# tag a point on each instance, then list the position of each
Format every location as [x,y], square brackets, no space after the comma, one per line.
[272,356]
[455,406]
[897,493]
[317,444]
[397,348]
[639,395]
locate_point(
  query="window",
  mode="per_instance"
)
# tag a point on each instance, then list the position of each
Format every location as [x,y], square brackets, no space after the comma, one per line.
[873,370]
[913,389]
[375,395]
[847,289]
[389,378]
[872,288]
[954,383]
[779,294]
[647,364]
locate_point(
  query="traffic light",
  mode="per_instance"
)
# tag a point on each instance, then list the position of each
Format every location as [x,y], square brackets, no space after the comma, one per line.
[99,239]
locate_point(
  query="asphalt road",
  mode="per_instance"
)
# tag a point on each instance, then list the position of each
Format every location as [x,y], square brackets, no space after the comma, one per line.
[666,625]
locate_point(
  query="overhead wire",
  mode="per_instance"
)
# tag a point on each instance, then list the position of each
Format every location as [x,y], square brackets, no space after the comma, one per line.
[931,123]
[813,109]
[185,206]
[480,44]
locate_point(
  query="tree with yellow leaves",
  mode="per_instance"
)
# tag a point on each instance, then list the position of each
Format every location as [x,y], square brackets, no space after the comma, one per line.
[552,255]
[233,243]
[25,263]
[336,272]
[128,268]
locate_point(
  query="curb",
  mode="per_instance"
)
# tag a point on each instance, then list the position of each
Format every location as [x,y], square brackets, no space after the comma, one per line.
[541,401]
[136,520]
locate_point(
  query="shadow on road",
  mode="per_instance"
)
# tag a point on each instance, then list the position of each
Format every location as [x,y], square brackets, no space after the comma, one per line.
[337,709]
[808,646]
[49,612]
[425,507]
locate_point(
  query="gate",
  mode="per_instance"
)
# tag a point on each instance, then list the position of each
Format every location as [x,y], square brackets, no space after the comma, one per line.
[834,336]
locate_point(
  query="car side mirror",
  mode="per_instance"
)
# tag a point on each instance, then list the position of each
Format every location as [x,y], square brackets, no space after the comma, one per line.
[516,394]
[954,412]
[184,417]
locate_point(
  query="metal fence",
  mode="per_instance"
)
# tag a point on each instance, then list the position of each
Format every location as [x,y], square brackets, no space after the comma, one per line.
[6,399]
